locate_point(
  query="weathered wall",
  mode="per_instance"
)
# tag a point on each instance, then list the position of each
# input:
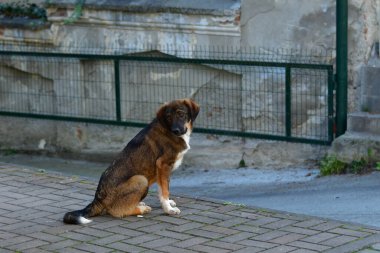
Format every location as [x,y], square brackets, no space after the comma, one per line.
[261,24]
[311,24]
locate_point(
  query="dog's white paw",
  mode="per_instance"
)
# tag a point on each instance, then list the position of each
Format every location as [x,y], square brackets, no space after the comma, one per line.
[145,209]
[141,204]
[172,203]
[173,211]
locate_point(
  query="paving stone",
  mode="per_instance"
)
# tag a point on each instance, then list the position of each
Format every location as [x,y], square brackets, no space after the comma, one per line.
[350,232]
[141,239]
[205,234]
[310,246]
[35,250]
[174,249]
[18,225]
[269,235]
[107,224]
[199,206]
[299,230]
[31,229]
[186,227]
[224,245]
[10,207]
[22,201]
[291,237]
[7,220]
[159,243]
[155,228]
[93,232]
[191,242]
[60,245]
[170,219]
[245,213]
[140,224]
[28,244]
[124,247]
[289,216]
[249,250]
[309,223]
[262,221]
[319,237]
[216,215]
[20,213]
[279,224]
[47,237]
[237,237]
[220,230]
[339,240]
[201,219]
[41,202]
[124,231]
[259,244]
[280,249]
[304,251]
[232,222]
[228,208]
[174,235]
[71,250]
[110,239]
[92,248]
[14,240]
[326,226]
[7,235]
[78,236]
[252,229]
[208,249]
[9,194]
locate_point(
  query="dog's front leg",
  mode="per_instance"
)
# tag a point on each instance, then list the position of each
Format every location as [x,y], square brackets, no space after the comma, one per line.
[163,177]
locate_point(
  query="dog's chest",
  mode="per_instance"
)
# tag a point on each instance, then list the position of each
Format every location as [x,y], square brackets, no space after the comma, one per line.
[178,162]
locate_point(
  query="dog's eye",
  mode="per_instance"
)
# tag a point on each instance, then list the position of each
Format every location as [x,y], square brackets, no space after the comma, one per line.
[168,117]
[181,114]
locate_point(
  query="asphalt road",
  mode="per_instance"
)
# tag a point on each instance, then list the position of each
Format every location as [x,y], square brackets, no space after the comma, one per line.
[351,198]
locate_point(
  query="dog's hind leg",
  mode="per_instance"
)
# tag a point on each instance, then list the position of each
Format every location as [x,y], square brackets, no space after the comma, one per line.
[129,195]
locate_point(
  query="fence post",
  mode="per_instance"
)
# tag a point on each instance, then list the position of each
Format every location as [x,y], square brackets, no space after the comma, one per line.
[288,102]
[117,89]
[330,99]
[341,65]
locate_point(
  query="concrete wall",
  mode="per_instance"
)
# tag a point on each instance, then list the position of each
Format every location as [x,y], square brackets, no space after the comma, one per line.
[228,23]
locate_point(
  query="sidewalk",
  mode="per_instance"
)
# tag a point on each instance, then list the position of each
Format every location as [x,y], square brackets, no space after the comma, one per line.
[32,205]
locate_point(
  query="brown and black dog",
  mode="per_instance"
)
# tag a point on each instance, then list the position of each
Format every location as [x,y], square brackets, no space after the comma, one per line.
[149,157]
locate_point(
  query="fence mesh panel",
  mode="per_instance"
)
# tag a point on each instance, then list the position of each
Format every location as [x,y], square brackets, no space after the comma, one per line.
[275,94]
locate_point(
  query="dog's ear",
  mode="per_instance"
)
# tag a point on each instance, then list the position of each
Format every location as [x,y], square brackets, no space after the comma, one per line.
[161,115]
[193,108]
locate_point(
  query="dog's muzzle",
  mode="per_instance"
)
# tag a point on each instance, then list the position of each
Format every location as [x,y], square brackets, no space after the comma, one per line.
[178,131]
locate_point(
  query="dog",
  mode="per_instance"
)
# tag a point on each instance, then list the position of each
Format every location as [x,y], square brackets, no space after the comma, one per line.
[150,157]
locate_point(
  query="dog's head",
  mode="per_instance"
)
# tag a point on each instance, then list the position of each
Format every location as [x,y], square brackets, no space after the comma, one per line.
[178,116]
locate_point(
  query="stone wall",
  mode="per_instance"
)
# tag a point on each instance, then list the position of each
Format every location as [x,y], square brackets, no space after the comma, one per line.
[128,27]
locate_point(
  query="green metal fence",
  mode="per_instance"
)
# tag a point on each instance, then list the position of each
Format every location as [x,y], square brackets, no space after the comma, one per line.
[271,94]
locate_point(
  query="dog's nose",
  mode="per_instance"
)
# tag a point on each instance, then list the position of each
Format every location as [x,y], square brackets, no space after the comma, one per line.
[176,131]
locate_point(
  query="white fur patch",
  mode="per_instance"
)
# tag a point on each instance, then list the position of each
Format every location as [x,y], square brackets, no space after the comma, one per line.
[186,138]
[83,220]
[168,205]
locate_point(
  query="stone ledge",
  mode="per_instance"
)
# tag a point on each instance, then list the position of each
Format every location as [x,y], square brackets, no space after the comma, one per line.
[363,122]
[24,23]
[354,146]
[197,7]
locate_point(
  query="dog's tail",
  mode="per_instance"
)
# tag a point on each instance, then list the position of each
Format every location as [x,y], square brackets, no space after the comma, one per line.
[80,216]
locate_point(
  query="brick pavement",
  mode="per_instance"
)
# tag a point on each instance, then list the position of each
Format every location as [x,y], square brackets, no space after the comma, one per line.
[32,204]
